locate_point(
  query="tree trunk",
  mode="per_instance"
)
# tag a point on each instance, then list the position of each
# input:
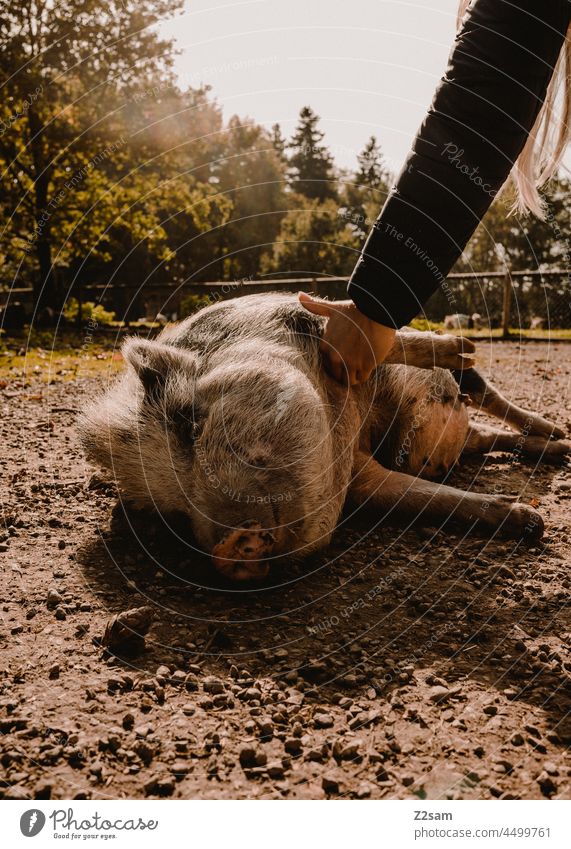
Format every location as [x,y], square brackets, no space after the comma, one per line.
[45,287]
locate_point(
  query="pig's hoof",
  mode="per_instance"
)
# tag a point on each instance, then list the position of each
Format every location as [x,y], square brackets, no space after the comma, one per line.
[522,521]
[454,352]
[538,426]
[546,450]
[240,556]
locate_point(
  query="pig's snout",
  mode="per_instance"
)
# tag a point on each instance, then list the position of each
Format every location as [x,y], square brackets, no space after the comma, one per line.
[241,554]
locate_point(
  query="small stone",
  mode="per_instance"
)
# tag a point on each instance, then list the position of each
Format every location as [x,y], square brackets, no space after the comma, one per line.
[96,768]
[213,685]
[163,672]
[351,750]
[43,789]
[159,785]
[490,710]
[537,745]
[128,721]
[550,768]
[517,740]
[188,709]
[250,694]
[180,769]
[54,672]
[266,727]
[53,598]
[293,745]
[438,694]
[178,678]
[191,682]
[60,614]
[261,758]
[247,756]
[275,770]
[144,751]
[547,786]
[316,754]
[330,783]
[323,720]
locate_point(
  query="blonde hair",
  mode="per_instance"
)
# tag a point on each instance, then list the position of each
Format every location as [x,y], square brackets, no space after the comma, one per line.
[549,136]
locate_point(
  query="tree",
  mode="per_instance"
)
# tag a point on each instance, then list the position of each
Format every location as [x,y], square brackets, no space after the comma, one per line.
[504,241]
[314,239]
[279,143]
[365,194]
[253,178]
[311,163]
[69,68]
[371,173]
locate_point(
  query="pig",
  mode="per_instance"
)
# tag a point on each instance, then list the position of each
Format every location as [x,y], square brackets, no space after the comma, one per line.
[229,418]
[537,323]
[460,321]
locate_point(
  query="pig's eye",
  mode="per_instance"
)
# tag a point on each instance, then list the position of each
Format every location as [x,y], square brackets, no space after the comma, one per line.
[186,423]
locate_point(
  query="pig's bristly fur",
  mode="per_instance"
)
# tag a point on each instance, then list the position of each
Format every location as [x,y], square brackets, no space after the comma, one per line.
[230,418]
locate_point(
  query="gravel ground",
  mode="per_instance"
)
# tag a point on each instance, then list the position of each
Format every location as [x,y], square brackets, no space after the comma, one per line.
[400,664]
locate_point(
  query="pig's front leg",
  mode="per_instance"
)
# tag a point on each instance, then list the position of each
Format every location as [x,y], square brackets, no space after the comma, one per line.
[426,350]
[403,498]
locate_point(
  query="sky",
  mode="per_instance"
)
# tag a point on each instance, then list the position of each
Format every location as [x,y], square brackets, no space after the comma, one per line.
[367,67]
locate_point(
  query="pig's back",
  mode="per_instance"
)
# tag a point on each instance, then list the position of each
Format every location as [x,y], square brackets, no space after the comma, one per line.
[271,317]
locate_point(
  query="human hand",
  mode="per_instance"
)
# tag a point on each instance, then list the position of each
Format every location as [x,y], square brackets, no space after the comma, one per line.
[352,345]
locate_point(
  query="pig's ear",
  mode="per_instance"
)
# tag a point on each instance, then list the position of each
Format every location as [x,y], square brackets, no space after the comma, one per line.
[153,361]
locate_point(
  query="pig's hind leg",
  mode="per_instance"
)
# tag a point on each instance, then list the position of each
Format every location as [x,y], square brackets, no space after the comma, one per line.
[404,498]
[482,439]
[486,397]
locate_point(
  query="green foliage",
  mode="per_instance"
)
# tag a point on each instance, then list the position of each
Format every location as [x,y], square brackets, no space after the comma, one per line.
[192,303]
[422,323]
[314,239]
[90,311]
[110,171]
[310,161]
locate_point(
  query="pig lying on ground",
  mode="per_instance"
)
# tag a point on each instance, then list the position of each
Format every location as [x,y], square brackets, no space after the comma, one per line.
[460,321]
[230,418]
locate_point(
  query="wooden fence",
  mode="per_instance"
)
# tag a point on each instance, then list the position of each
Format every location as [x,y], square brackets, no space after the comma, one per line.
[131,301]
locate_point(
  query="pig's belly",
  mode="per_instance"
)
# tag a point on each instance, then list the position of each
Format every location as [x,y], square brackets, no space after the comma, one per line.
[437,444]
[424,423]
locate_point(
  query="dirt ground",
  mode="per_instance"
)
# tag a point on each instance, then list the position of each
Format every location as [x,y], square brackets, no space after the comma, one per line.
[399,664]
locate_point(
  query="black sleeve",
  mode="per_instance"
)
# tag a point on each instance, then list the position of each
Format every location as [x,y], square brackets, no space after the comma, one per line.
[478,123]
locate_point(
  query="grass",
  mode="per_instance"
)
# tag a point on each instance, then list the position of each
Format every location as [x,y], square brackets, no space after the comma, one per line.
[55,358]
[496,333]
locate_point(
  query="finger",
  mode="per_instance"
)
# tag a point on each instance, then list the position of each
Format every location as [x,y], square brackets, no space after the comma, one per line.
[465,362]
[314,305]
[466,345]
[334,365]
[361,376]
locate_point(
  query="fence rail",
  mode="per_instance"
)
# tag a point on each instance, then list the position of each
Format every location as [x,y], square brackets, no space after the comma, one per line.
[129,297]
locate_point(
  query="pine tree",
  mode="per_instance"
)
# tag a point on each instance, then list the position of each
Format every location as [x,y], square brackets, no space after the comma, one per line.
[278,142]
[312,171]
[365,193]
[371,172]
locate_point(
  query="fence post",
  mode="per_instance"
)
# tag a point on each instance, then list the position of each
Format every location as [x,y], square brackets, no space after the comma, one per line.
[507,304]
